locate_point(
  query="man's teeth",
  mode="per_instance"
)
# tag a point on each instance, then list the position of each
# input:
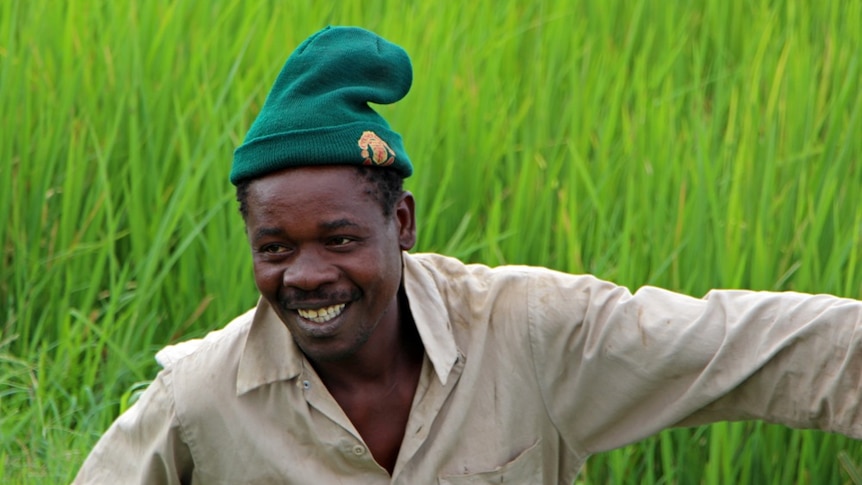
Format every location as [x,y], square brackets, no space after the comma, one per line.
[321,315]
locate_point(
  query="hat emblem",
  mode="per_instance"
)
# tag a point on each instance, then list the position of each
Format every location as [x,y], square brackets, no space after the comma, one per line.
[375,151]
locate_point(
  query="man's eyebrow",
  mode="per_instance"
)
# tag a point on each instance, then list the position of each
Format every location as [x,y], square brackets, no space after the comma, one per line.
[268,231]
[337,224]
[334,225]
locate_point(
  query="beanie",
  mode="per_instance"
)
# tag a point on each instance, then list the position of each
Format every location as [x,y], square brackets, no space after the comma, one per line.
[317,112]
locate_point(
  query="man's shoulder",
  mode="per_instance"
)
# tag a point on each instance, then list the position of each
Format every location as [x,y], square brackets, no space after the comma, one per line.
[448,271]
[199,375]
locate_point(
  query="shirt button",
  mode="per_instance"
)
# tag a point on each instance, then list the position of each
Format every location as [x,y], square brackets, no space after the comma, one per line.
[358,450]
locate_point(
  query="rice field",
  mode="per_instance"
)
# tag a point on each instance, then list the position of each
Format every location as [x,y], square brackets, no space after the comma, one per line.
[688,145]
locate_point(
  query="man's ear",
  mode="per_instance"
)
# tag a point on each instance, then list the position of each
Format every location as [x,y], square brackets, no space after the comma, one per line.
[405,216]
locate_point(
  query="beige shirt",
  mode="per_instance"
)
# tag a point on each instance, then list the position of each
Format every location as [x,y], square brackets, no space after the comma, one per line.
[527,372]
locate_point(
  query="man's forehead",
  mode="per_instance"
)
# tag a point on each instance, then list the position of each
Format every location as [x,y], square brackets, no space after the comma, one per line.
[340,191]
[343,177]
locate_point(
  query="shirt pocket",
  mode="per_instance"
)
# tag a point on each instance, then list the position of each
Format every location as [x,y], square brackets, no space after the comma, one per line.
[524,468]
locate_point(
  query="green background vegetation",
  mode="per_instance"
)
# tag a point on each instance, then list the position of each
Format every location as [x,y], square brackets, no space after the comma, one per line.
[688,145]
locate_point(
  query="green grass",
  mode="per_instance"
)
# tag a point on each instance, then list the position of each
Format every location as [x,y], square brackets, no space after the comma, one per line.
[688,145]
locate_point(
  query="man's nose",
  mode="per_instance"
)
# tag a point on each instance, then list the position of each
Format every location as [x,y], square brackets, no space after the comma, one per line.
[310,270]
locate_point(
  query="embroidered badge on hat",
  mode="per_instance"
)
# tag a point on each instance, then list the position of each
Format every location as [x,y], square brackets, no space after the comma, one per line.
[375,151]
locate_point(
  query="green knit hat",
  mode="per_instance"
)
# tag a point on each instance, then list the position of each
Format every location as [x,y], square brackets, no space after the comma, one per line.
[317,112]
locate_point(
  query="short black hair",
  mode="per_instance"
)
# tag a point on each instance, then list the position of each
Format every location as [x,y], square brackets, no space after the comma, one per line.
[385,185]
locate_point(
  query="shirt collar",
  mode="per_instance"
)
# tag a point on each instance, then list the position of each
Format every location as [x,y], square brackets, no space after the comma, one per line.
[431,317]
[270,354]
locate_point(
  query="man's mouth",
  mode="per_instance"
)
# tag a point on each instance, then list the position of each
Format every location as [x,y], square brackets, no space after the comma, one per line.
[321,315]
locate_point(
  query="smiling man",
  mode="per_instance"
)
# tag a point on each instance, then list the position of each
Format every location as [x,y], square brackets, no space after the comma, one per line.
[330,268]
[363,363]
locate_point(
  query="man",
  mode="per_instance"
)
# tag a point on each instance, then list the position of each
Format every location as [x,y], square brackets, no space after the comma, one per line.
[363,363]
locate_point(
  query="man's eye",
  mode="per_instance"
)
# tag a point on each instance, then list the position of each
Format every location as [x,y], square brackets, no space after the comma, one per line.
[340,241]
[273,249]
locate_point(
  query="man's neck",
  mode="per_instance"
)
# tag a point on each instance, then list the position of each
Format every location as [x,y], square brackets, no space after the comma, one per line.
[384,359]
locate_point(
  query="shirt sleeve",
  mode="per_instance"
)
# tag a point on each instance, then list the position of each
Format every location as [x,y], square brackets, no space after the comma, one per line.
[143,446]
[616,367]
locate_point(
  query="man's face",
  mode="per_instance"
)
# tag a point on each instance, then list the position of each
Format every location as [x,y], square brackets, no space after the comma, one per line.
[326,258]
